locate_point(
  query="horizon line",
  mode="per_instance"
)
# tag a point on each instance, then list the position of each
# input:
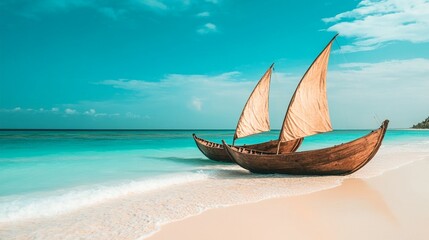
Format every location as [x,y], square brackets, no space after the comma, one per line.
[164,129]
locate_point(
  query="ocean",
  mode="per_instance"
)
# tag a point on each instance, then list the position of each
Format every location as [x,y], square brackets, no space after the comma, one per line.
[147,178]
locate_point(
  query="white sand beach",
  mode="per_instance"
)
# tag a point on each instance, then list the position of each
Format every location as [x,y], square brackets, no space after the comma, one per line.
[390,206]
[387,199]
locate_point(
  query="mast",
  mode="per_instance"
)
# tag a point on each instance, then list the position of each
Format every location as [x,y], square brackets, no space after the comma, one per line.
[309,114]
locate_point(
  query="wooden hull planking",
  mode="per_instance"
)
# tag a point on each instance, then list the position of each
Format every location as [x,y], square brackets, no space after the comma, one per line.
[215,151]
[337,160]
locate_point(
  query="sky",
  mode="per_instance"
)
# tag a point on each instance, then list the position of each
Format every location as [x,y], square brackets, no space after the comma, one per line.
[191,64]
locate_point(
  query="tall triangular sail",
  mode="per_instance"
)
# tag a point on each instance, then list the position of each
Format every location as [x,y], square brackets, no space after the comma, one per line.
[308,112]
[255,116]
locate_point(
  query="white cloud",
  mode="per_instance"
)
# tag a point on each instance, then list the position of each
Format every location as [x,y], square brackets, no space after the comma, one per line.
[197,103]
[28,110]
[52,5]
[405,72]
[70,111]
[172,81]
[375,23]
[111,9]
[203,14]
[210,26]
[130,84]
[207,28]
[132,115]
[395,89]
[90,112]
[111,12]
[156,4]
[191,101]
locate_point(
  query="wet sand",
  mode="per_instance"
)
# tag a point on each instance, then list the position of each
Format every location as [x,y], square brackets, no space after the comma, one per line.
[390,206]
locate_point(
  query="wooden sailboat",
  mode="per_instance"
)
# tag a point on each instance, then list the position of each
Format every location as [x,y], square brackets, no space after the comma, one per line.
[308,115]
[254,119]
[216,151]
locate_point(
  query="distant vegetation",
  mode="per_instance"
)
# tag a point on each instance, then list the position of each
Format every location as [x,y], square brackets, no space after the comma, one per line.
[423,124]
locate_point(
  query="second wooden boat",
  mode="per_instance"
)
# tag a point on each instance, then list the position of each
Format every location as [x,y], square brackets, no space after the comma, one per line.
[253,119]
[215,151]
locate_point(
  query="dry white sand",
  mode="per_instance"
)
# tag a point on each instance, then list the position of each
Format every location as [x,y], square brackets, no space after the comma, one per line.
[394,205]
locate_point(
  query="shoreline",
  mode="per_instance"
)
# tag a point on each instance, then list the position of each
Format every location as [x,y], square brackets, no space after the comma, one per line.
[141,216]
[345,180]
[377,204]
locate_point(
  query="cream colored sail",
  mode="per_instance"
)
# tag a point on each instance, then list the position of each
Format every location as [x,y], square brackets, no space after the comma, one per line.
[255,116]
[308,112]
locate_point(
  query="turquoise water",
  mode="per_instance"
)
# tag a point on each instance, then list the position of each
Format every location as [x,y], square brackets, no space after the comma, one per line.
[33,161]
[50,160]
[40,165]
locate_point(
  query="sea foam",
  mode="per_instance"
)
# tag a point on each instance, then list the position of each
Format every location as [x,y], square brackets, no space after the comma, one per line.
[22,207]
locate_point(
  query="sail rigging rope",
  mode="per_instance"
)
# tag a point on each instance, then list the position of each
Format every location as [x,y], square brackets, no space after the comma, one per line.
[340,50]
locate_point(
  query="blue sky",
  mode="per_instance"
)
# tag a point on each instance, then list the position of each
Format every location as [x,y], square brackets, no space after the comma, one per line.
[192,64]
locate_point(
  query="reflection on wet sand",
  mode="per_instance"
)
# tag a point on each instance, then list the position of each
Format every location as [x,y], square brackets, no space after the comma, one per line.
[358,190]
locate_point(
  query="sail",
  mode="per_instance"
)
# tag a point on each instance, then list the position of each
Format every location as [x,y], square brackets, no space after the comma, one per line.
[308,112]
[255,116]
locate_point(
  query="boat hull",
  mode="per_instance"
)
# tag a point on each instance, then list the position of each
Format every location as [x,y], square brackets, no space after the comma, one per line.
[216,151]
[337,160]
